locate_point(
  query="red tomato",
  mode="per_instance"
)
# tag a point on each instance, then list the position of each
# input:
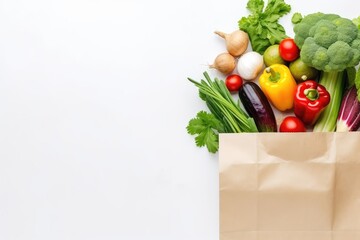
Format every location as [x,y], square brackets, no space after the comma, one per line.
[233,82]
[292,124]
[288,50]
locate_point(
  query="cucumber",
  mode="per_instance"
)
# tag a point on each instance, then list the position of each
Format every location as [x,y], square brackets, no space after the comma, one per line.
[258,107]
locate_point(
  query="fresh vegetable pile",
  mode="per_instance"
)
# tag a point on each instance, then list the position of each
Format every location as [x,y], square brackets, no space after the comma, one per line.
[311,79]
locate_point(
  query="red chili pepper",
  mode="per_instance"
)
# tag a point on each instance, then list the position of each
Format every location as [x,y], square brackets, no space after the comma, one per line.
[311,98]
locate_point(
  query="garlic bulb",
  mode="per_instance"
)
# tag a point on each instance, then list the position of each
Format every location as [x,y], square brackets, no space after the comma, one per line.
[249,65]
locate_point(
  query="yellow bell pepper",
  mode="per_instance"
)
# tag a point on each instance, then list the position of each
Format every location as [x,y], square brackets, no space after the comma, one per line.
[279,86]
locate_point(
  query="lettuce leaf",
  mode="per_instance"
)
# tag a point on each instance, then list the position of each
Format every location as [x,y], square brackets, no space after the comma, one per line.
[262,24]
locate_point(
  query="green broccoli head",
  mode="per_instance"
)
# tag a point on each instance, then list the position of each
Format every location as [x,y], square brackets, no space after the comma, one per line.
[328,42]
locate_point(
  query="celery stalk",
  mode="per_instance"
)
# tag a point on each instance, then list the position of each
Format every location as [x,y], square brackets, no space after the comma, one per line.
[334,82]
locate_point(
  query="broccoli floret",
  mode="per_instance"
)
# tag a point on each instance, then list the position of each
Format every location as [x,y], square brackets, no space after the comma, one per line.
[324,33]
[346,31]
[316,58]
[328,42]
[303,31]
[314,17]
[356,43]
[321,58]
[330,16]
[344,55]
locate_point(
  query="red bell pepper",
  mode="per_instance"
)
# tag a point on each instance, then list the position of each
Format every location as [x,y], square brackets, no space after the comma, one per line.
[311,98]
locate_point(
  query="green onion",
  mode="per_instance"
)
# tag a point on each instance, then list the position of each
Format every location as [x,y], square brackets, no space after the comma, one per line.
[222,105]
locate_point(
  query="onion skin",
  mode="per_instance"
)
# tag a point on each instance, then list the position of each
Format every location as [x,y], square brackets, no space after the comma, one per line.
[224,63]
[236,42]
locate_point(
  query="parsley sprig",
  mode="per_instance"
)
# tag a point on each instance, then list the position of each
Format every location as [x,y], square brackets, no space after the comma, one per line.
[207,128]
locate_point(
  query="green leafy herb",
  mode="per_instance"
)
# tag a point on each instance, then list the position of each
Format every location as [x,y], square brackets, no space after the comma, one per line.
[207,129]
[262,25]
[296,18]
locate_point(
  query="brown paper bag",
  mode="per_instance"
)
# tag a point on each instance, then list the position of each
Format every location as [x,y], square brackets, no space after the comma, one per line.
[286,186]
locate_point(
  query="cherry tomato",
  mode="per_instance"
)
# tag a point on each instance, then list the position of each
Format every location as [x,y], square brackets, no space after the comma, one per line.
[288,50]
[233,82]
[292,124]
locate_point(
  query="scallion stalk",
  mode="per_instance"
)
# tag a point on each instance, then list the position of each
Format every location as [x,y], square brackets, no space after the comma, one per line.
[223,106]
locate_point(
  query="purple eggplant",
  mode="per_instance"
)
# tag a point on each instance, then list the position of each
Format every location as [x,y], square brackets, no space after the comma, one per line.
[349,114]
[258,107]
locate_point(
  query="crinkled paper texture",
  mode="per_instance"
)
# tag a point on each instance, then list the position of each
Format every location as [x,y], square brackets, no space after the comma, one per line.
[290,186]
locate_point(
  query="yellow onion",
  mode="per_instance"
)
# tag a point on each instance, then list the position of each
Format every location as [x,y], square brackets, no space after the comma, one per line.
[236,42]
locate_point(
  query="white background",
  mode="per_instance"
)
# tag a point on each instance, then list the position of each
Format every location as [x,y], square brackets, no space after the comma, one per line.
[94,101]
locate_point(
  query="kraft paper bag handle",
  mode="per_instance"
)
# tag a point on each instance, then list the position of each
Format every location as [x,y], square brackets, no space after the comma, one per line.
[293,186]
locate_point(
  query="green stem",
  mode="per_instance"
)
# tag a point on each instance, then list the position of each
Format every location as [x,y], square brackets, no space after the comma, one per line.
[275,76]
[334,83]
[226,109]
[311,94]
